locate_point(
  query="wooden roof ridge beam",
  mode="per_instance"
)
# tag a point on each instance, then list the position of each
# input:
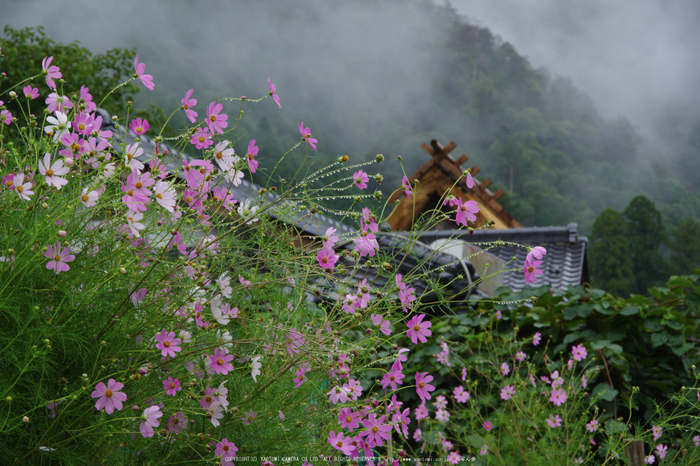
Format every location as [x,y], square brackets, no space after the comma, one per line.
[462,158]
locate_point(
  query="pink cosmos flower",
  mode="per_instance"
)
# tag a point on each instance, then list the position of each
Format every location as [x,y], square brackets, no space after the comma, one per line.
[146,79]
[172,386]
[329,238]
[460,394]
[139,182]
[592,426]
[661,450]
[507,392]
[484,450]
[59,257]
[520,356]
[306,134]
[150,420]
[221,362]
[535,253]
[300,377]
[418,330]
[406,186]
[558,397]
[53,172]
[168,343]
[360,179]
[376,431]
[58,103]
[505,368]
[464,374]
[470,180]
[23,190]
[337,394]
[422,412]
[215,119]
[649,459]
[466,211]
[86,100]
[392,378]
[454,457]
[6,117]
[530,270]
[348,419]
[202,138]
[51,72]
[165,196]
[341,443]
[84,123]
[294,340]
[273,93]
[488,426]
[327,258]
[226,449]
[192,175]
[139,126]
[30,92]
[423,388]
[554,421]
[209,398]
[657,431]
[187,103]
[536,339]
[252,152]
[110,398]
[383,325]
[579,352]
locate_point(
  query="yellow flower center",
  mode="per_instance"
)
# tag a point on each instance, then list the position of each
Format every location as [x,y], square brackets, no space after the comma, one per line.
[348,419]
[159,196]
[108,393]
[57,258]
[375,429]
[139,129]
[49,172]
[212,118]
[172,385]
[139,185]
[324,260]
[209,398]
[81,126]
[166,344]
[530,269]
[220,361]
[219,155]
[421,385]
[20,189]
[84,197]
[340,444]
[202,139]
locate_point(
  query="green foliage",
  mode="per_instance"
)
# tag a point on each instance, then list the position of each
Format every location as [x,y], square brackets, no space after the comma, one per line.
[684,243]
[609,256]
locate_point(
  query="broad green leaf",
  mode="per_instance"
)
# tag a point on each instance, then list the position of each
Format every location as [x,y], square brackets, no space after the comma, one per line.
[605,391]
[679,281]
[629,311]
[680,350]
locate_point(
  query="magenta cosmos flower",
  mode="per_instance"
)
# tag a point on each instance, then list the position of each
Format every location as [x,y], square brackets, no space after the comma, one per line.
[150,420]
[168,343]
[59,257]
[558,397]
[360,179]
[187,103]
[423,388]
[220,362]
[376,431]
[252,152]
[273,93]
[215,119]
[306,134]
[139,126]
[341,443]
[418,330]
[579,352]
[507,392]
[530,270]
[172,386]
[226,449]
[466,211]
[31,92]
[146,79]
[109,396]
[327,258]
[51,72]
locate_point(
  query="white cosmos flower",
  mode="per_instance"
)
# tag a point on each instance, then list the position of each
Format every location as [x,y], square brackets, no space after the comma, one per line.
[224,283]
[59,125]
[220,314]
[256,367]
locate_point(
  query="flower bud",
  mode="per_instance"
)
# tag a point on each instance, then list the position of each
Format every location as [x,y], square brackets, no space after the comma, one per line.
[122,271]
[13,94]
[68,161]
[62,233]
[25,419]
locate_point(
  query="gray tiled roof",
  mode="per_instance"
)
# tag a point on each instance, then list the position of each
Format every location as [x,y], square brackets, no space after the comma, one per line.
[310,224]
[564,264]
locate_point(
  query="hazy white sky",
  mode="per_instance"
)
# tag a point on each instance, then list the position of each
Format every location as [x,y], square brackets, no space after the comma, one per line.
[633,57]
